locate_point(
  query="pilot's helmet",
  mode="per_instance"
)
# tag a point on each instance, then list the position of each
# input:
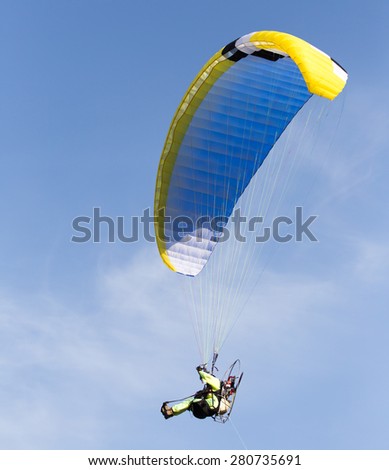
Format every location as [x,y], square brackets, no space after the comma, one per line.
[224,407]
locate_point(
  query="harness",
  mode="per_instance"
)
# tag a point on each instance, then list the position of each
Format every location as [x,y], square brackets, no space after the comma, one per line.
[200,407]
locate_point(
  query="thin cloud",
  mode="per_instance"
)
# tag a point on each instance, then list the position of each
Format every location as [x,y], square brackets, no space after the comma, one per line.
[372,263]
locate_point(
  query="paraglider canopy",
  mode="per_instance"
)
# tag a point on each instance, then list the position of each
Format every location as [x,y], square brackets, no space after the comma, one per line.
[228,121]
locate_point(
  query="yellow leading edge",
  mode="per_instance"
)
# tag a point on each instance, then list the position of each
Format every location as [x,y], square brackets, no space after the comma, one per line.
[321,74]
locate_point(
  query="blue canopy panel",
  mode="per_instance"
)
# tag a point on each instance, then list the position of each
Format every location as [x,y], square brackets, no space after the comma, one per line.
[228,138]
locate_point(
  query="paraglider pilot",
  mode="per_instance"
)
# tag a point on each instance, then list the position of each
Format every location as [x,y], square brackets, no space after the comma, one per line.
[204,403]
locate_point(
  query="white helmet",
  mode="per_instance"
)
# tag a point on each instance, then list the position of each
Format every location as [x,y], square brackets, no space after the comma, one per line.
[224,407]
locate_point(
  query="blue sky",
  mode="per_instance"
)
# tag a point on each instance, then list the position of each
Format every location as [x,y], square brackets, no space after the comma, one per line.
[94,337]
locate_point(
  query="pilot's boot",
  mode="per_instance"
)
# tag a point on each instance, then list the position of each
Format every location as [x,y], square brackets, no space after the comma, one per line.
[167,411]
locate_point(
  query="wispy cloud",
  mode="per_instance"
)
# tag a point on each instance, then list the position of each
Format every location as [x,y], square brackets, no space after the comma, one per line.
[372,261]
[62,365]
